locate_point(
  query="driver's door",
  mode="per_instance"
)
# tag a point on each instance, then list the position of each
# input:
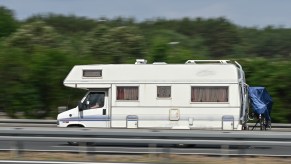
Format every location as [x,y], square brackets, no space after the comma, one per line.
[95,113]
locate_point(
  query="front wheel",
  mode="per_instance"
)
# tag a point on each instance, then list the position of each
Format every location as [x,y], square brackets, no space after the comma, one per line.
[73,143]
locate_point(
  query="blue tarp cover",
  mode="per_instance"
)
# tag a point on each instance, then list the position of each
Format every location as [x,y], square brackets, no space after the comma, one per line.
[261,101]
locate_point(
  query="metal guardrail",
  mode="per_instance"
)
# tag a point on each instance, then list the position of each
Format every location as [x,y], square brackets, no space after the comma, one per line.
[30,121]
[27,123]
[19,131]
[140,135]
[151,137]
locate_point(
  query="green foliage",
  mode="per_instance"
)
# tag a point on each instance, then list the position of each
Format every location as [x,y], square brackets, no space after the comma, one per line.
[12,80]
[173,47]
[65,24]
[30,36]
[220,36]
[7,22]
[31,83]
[268,42]
[117,44]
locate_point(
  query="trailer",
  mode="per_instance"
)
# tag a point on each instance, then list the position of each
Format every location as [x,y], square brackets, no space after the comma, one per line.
[198,94]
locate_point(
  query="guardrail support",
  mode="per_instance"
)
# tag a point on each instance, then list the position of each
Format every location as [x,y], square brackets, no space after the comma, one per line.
[152,151]
[82,146]
[16,149]
[166,155]
[225,151]
[242,152]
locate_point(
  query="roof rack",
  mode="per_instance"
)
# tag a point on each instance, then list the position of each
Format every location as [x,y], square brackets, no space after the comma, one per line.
[206,61]
[159,63]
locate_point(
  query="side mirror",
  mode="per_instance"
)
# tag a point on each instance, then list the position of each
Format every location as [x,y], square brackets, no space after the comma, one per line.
[80,106]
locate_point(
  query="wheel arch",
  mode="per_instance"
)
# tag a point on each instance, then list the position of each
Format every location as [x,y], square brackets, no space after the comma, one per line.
[76,125]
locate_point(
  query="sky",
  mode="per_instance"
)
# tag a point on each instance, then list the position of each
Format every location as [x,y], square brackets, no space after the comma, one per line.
[249,13]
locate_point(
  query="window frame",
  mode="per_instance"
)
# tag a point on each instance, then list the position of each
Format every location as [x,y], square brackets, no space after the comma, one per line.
[127,86]
[165,97]
[219,102]
[86,98]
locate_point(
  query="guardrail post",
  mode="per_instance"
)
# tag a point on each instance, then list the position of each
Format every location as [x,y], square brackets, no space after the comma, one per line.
[225,151]
[242,151]
[16,149]
[166,154]
[152,151]
[90,150]
[83,148]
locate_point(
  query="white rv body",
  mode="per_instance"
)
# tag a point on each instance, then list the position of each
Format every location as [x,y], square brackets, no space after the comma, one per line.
[165,96]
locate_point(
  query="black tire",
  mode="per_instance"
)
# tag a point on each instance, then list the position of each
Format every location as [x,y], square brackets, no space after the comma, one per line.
[74,143]
[263,124]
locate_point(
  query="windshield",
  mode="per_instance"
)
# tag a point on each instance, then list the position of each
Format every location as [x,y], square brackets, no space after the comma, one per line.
[95,100]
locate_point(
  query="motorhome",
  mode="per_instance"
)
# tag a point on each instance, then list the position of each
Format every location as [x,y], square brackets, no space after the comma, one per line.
[198,94]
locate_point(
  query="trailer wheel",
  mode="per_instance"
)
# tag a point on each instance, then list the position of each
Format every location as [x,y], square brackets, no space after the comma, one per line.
[264,124]
[245,127]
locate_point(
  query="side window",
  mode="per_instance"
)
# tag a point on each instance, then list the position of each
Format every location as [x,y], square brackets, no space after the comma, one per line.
[163,91]
[95,100]
[92,73]
[209,94]
[127,93]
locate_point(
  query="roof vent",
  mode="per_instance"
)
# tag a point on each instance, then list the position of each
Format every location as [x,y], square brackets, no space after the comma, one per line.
[159,63]
[140,61]
[206,61]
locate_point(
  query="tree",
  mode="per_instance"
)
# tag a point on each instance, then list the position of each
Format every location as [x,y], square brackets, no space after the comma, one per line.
[8,24]
[220,36]
[65,24]
[13,74]
[117,44]
[33,35]
[270,42]
[33,85]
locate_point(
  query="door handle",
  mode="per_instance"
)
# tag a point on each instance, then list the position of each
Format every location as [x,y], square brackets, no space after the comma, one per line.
[104,111]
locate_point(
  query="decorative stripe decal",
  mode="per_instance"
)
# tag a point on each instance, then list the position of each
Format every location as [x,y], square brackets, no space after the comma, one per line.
[89,118]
